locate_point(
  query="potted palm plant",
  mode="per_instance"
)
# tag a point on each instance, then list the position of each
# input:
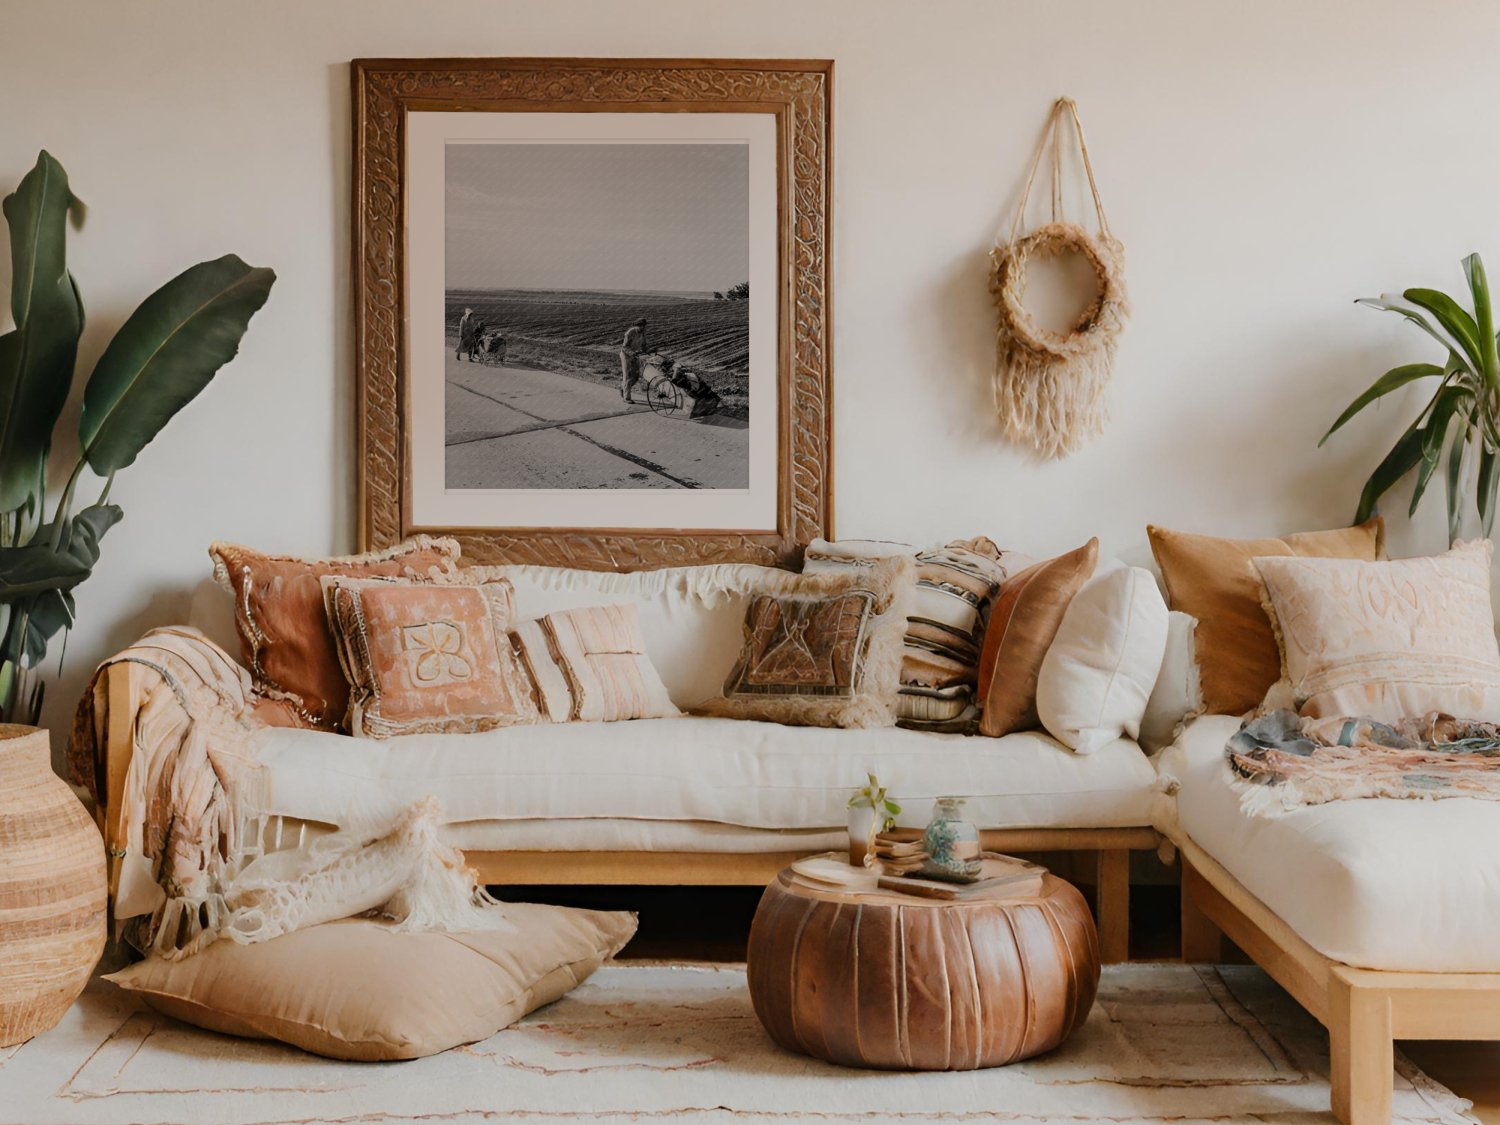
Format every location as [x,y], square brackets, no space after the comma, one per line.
[1457,426]
[163,355]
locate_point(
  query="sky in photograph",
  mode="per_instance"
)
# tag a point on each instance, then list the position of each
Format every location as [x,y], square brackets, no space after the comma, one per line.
[658,216]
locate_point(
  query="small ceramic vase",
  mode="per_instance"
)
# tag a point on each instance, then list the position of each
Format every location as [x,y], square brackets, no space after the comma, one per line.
[861,832]
[951,843]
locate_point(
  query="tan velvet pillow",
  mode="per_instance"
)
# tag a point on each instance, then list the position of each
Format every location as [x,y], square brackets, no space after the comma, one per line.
[823,649]
[357,990]
[285,640]
[1025,618]
[1214,580]
[1389,640]
[427,657]
[590,666]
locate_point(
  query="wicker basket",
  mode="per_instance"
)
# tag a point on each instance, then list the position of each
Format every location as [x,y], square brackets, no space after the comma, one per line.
[52,889]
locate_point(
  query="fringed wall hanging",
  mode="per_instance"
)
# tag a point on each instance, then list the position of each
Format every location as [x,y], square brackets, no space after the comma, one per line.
[1049,386]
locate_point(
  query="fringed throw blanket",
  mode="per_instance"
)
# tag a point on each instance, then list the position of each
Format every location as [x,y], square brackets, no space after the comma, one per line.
[191,841]
[1281,761]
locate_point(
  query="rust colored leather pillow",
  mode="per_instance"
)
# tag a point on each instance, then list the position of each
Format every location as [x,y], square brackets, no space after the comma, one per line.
[285,640]
[1025,618]
[1215,581]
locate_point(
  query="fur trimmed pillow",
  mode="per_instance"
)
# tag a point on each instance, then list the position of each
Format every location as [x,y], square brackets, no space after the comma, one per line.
[823,649]
[427,657]
[285,639]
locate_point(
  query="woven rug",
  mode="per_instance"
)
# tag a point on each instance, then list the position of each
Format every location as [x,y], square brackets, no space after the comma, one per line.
[641,1042]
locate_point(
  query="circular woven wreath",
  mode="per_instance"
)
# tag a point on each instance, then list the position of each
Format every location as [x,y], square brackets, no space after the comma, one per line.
[1096,326]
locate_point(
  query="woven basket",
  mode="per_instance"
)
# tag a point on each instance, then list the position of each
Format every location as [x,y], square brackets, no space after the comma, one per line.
[52,889]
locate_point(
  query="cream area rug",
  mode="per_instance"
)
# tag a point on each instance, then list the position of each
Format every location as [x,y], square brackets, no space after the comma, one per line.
[646,1042]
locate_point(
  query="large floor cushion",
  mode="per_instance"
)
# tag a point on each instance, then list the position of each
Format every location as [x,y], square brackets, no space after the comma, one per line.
[1379,884]
[730,771]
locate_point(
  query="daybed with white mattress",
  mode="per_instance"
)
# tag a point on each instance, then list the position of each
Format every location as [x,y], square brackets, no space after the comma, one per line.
[682,800]
[1380,916]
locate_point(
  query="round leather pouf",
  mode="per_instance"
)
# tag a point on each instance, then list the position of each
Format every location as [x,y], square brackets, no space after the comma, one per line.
[888,980]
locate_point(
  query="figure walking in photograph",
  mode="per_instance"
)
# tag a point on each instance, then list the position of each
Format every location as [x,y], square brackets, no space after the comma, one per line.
[631,351]
[469,327]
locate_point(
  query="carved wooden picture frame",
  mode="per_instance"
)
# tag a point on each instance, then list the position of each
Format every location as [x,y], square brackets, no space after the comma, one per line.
[795,94]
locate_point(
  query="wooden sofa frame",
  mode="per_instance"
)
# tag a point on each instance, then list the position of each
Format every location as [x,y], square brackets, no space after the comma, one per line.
[1364,1010]
[1111,846]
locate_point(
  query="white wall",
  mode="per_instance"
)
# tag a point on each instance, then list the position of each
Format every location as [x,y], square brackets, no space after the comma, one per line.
[1264,164]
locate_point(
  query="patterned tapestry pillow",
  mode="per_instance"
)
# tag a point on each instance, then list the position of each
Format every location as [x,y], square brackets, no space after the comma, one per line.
[1387,640]
[284,634]
[823,649]
[1214,580]
[590,665]
[956,584]
[1022,626]
[424,657]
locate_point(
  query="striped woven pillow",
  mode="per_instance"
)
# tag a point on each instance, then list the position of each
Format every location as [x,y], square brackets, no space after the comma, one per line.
[945,628]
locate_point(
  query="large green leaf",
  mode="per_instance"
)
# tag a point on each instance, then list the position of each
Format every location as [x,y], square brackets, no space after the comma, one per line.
[1454,318]
[37,356]
[1391,302]
[164,355]
[1488,480]
[1484,317]
[1402,458]
[1454,480]
[35,568]
[1393,379]
[1448,402]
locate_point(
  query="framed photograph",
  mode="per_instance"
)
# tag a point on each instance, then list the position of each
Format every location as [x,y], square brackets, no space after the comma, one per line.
[591,307]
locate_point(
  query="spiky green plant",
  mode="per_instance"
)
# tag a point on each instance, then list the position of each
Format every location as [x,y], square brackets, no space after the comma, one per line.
[163,355]
[1457,427]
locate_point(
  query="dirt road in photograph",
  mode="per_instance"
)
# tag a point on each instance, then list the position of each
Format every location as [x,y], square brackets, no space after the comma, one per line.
[515,427]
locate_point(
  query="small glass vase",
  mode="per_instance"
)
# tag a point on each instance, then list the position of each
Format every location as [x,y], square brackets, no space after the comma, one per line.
[951,843]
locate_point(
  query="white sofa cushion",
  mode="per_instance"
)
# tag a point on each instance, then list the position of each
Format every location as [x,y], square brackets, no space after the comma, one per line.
[1101,665]
[731,771]
[1378,884]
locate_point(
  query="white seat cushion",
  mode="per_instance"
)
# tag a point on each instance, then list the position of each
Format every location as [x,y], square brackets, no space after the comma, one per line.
[1379,884]
[730,771]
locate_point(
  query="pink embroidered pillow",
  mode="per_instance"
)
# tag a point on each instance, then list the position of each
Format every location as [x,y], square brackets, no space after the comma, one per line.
[590,665]
[427,657]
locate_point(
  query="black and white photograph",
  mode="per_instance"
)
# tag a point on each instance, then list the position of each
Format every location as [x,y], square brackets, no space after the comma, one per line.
[596,315]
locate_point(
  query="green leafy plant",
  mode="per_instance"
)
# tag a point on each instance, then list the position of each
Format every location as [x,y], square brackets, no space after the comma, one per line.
[164,354]
[873,796]
[1457,427]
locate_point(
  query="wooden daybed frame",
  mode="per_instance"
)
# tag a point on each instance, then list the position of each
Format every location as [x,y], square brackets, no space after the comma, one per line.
[1364,1010]
[1111,846]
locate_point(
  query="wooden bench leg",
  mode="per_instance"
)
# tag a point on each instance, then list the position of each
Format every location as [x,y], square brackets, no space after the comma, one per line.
[1112,886]
[1361,1052]
[1202,941]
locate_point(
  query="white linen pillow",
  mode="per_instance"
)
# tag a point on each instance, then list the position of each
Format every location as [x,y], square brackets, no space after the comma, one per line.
[1100,669]
[1178,694]
[1388,640]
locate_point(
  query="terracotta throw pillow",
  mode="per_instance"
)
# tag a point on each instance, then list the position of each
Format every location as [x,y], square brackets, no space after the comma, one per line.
[590,665]
[1388,640]
[357,990]
[1215,581]
[427,657]
[285,640]
[823,649]
[1026,617]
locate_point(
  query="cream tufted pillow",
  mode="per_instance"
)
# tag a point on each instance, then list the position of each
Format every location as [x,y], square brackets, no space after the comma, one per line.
[1390,640]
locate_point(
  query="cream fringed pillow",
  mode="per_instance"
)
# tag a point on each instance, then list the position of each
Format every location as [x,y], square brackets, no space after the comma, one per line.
[823,650]
[1390,640]
[356,990]
[590,665]
[427,657]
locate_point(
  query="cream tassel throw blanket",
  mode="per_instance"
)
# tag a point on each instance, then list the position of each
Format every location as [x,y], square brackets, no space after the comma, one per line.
[190,842]
[1049,386]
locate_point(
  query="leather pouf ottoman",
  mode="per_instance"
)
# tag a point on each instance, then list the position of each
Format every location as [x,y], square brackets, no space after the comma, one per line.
[889,980]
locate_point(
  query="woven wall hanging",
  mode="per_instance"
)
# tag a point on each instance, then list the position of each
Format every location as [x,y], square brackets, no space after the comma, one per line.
[1049,386]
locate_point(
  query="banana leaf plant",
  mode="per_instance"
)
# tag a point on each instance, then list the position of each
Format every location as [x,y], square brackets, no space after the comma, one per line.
[164,354]
[1457,428]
